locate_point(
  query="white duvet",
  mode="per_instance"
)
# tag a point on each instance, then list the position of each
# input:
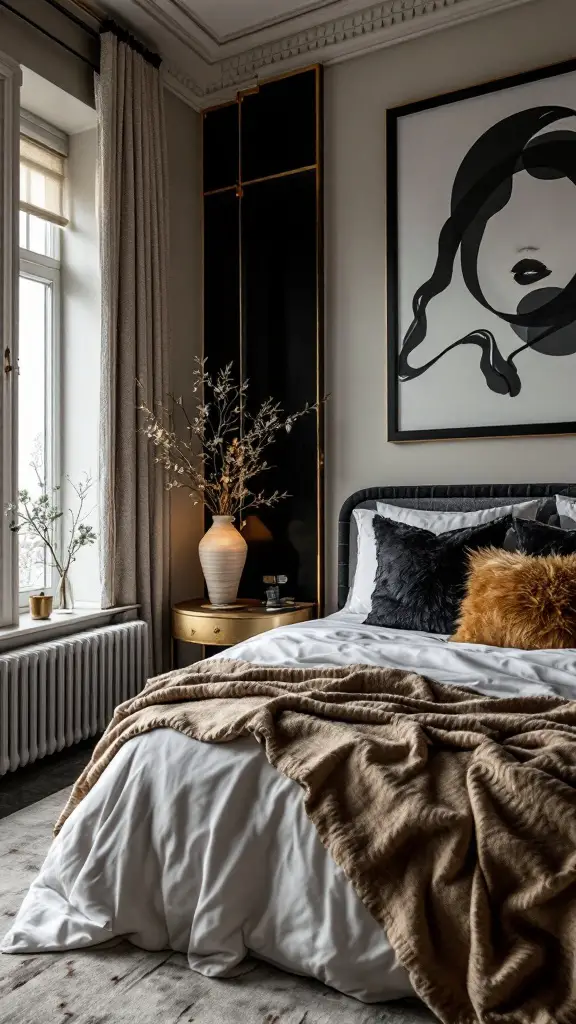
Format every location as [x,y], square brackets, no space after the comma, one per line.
[206,849]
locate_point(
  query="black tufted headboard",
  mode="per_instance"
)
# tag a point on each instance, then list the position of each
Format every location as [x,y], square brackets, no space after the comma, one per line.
[452,498]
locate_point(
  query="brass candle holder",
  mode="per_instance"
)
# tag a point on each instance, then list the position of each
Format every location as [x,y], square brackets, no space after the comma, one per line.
[40,606]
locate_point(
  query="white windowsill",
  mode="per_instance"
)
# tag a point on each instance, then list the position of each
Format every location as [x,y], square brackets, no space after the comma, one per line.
[29,631]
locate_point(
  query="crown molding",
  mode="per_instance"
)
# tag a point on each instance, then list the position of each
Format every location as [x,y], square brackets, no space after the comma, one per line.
[203,71]
[187,88]
[315,9]
[373,28]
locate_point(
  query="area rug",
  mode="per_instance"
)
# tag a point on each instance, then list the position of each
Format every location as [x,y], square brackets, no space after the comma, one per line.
[120,984]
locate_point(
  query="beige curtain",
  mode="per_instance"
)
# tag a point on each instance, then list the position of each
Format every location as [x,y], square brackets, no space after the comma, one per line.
[133,219]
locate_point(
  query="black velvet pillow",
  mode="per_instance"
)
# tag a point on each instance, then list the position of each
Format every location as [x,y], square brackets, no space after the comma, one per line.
[534,538]
[421,576]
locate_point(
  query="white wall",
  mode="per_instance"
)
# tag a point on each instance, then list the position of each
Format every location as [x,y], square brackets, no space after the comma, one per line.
[357,95]
[81,349]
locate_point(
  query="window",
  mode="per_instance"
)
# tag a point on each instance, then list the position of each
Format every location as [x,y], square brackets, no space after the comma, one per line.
[50,329]
[41,211]
[39,352]
[39,236]
[9,96]
[42,173]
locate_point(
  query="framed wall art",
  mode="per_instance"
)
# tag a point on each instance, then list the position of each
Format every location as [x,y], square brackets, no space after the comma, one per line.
[481,260]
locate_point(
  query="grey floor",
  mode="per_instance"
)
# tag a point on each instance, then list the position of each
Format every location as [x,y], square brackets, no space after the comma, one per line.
[27,785]
[120,984]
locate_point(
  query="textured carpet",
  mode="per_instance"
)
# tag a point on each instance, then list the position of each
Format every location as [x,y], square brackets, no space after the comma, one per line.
[120,984]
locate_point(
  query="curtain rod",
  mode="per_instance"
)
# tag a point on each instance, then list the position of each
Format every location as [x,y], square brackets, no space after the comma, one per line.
[126,37]
[106,26]
[109,25]
[49,35]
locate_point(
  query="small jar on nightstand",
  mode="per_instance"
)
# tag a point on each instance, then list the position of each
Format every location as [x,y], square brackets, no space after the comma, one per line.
[193,623]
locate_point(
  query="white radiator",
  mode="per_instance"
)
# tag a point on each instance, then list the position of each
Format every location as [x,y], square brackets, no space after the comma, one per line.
[60,692]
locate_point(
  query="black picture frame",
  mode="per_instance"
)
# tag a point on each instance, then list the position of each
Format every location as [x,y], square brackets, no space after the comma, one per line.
[393,116]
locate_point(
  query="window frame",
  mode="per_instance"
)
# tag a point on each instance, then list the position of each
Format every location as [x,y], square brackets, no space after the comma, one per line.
[53,237]
[47,270]
[10,81]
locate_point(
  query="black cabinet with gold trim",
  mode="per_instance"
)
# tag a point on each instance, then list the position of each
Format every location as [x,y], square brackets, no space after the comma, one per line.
[263,301]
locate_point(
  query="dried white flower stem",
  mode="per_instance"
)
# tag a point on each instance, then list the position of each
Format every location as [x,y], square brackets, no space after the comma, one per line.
[224,446]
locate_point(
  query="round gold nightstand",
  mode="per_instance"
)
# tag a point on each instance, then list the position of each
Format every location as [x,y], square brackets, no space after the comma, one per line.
[209,627]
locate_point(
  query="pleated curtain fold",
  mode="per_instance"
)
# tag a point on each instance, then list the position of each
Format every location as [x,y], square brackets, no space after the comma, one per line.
[133,217]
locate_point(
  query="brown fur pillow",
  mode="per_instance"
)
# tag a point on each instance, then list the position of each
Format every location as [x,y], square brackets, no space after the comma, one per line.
[516,600]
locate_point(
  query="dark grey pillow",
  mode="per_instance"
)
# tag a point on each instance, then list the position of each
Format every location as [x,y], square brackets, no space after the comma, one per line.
[539,539]
[421,576]
[547,512]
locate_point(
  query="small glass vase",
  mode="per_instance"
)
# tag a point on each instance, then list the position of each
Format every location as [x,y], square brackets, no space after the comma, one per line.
[64,596]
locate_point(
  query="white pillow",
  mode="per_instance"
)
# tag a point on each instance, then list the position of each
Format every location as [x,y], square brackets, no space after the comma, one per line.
[443,522]
[360,594]
[566,509]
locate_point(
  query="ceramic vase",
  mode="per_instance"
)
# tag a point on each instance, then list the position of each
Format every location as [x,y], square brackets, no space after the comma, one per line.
[222,556]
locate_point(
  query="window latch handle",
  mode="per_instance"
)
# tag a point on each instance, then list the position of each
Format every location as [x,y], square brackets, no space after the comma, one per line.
[8,365]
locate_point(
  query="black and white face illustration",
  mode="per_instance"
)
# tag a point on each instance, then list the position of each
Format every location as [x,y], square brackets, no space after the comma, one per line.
[511,235]
[526,257]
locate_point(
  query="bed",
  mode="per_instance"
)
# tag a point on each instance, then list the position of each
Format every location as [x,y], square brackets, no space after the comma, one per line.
[163,849]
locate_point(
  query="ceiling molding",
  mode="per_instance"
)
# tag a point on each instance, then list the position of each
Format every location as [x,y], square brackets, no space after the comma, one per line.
[315,8]
[372,28]
[183,86]
[375,27]
[185,29]
[204,71]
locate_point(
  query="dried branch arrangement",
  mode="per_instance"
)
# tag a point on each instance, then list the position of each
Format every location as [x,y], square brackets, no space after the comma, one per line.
[37,516]
[221,448]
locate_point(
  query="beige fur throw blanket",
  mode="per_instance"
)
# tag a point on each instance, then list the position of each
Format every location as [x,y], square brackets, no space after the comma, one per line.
[452,814]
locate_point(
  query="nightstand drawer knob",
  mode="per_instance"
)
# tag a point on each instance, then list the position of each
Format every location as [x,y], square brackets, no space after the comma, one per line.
[216,629]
